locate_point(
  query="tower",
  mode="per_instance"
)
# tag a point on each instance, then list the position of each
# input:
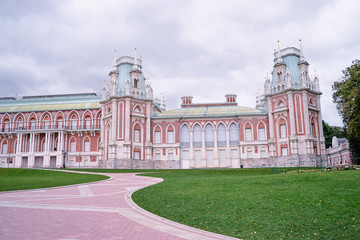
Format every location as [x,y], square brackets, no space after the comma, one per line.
[127,106]
[294,111]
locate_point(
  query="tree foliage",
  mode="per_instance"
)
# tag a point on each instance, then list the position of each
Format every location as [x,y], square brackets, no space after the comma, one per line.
[331,131]
[346,95]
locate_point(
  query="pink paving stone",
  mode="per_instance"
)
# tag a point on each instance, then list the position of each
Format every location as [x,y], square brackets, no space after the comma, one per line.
[88,211]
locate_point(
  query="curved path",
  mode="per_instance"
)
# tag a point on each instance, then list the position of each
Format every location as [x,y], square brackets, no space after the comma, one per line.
[101,210]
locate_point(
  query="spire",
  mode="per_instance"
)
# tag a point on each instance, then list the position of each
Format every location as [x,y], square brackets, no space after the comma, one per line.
[114,64]
[279,59]
[135,66]
[302,58]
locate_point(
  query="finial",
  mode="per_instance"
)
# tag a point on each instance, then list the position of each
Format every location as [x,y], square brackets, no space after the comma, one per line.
[302,58]
[135,66]
[279,55]
[114,64]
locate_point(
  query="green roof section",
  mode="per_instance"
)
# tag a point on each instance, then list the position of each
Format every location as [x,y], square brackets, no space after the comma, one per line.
[51,103]
[190,112]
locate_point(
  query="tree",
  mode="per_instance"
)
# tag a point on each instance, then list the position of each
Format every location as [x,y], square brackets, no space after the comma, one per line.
[331,131]
[346,95]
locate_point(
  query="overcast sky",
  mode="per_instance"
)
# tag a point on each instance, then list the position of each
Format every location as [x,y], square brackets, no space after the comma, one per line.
[201,48]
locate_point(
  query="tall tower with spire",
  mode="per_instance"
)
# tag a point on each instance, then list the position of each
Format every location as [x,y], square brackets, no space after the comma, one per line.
[127,107]
[294,111]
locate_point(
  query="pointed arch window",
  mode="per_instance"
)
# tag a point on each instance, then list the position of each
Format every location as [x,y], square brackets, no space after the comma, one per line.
[6,126]
[20,123]
[248,132]
[221,135]
[197,136]
[4,147]
[261,132]
[137,133]
[72,145]
[59,123]
[46,122]
[87,145]
[32,123]
[170,134]
[234,134]
[209,135]
[185,136]
[74,122]
[157,135]
[87,123]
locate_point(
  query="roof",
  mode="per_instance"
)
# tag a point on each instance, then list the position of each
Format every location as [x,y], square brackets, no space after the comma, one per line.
[51,103]
[190,112]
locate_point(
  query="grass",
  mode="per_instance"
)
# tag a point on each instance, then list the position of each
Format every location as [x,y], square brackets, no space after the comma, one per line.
[254,204]
[21,179]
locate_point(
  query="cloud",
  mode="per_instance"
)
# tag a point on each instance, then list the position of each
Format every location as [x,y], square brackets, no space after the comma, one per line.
[203,48]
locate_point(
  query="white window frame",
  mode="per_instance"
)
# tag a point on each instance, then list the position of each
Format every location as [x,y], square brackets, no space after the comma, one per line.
[249,153]
[72,146]
[170,155]
[136,135]
[283,131]
[157,156]
[4,148]
[87,123]
[137,155]
[157,137]
[284,151]
[170,136]
[87,146]
[248,134]
[261,134]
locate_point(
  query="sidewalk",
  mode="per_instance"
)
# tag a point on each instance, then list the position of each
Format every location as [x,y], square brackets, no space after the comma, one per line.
[102,210]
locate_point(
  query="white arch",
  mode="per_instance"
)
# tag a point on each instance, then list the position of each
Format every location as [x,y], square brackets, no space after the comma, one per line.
[161,132]
[138,106]
[278,127]
[167,130]
[257,129]
[252,130]
[278,102]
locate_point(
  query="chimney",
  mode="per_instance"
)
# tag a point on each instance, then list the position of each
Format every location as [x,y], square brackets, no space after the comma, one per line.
[230,98]
[186,100]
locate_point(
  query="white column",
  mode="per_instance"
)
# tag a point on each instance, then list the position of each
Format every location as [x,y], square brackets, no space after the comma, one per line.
[148,123]
[127,120]
[306,114]
[228,155]
[291,113]
[271,121]
[322,139]
[191,152]
[203,149]
[215,154]
[113,121]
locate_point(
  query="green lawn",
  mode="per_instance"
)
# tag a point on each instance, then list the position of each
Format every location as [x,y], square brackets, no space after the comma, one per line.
[19,179]
[254,204]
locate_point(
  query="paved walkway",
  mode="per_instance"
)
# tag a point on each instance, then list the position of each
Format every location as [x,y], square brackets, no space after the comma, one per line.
[102,210]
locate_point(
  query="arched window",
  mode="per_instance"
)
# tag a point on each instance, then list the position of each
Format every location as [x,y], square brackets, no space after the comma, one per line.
[248,132]
[32,123]
[87,145]
[313,128]
[6,126]
[4,147]
[46,122]
[282,128]
[137,133]
[42,145]
[157,135]
[72,147]
[20,123]
[59,123]
[136,83]
[209,135]
[170,134]
[197,135]
[261,132]
[87,122]
[185,136]
[74,122]
[234,134]
[280,103]
[221,135]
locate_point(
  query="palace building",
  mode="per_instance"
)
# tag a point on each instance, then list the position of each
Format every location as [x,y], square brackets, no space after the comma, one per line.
[125,127]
